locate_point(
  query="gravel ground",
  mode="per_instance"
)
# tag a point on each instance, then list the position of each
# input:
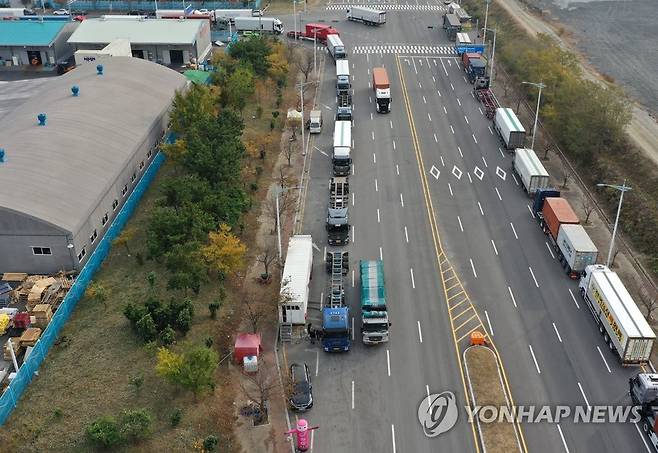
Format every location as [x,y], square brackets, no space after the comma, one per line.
[619,39]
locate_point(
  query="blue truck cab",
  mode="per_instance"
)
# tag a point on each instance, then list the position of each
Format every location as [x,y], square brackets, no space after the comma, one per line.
[336,335]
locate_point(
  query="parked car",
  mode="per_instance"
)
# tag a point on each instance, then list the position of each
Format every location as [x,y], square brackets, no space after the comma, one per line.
[301,396]
[61,12]
[29,12]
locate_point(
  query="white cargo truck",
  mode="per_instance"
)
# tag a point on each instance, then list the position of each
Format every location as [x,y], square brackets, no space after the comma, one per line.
[343,83]
[315,122]
[509,128]
[336,47]
[264,24]
[229,15]
[619,320]
[367,16]
[340,159]
[528,166]
[575,249]
[295,280]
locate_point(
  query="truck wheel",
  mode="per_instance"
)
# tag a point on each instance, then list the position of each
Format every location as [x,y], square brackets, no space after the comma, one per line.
[610,345]
[645,428]
[601,328]
[606,338]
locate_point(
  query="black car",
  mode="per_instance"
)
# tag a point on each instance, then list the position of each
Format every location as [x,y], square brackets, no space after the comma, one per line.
[301,396]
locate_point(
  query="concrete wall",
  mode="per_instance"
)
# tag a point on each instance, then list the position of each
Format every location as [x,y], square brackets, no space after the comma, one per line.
[203,43]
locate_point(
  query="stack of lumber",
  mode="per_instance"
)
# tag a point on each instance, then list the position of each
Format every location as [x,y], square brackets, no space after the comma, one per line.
[26,287]
[42,313]
[13,277]
[37,291]
[15,342]
[30,336]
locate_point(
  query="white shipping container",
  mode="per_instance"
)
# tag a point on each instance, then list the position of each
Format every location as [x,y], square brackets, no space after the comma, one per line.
[266,24]
[336,47]
[368,16]
[576,247]
[509,127]
[610,303]
[295,280]
[343,136]
[528,166]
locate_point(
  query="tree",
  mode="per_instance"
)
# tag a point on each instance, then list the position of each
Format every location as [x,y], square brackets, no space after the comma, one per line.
[258,386]
[97,292]
[170,227]
[253,51]
[189,107]
[239,88]
[127,234]
[650,303]
[175,151]
[304,63]
[146,328]
[286,203]
[225,251]
[193,369]
[588,208]
[267,256]
[104,431]
[254,312]
[136,424]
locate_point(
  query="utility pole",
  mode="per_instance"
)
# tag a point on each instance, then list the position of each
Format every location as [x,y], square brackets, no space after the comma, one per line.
[623,188]
[539,85]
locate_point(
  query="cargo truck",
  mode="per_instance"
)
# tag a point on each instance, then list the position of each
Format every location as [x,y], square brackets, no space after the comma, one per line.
[229,15]
[343,83]
[541,195]
[620,322]
[335,47]
[317,32]
[336,332]
[532,173]
[575,249]
[340,158]
[314,123]
[296,277]
[452,26]
[382,89]
[264,24]
[374,317]
[509,128]
[344,107]
[554,213]
[476,70]
[337,225]
[644,394]
[367,16]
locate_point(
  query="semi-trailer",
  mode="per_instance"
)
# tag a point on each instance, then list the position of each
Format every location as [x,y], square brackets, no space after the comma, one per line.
[263,24]
[532,173]
[318,32]
[556,212]
[644,394]
[344,107]
[452,26]
[337,225]
[575,249]
[336,331]
[336,47]
[343,83]
[367,16]
[374,316]
[509,128]
[382,88]
[619,320]
[341,159]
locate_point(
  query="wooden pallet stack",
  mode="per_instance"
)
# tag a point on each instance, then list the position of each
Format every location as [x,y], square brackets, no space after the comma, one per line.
[30,337]
[16,343]
[38,290]
[42,314]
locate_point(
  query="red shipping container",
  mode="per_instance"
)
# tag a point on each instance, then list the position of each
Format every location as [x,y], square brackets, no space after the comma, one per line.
[467,56]
[557,211]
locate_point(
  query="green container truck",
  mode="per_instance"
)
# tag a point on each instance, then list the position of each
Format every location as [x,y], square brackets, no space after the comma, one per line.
[374,317]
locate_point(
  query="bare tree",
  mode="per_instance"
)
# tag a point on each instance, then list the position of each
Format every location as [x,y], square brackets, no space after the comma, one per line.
[588,208]
[304,63]
[254,312]
[267,257]
[547,150]
[286,202]
[289,151]
[650,303]
[565,180]
[614,257]
[258,387]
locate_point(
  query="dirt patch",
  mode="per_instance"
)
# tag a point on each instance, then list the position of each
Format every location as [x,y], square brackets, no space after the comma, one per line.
[487,389]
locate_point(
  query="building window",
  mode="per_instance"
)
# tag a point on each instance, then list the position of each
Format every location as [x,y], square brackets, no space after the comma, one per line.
[82,254]
[141,166]
[133,177]
[124,191]
[105,218]
[41,251]
[115,203]
[149,154]
[93,236]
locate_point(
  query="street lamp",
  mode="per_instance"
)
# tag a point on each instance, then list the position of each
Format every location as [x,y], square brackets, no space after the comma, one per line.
[493,54]
[623,188]
[70,247]
[534,128]
[279,191]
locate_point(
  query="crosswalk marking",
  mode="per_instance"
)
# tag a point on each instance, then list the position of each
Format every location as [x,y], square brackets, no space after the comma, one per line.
[389,7]
[404,49]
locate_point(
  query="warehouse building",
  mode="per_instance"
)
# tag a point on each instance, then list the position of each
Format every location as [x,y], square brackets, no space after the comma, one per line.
[34,43]
[62,183]
[171,42]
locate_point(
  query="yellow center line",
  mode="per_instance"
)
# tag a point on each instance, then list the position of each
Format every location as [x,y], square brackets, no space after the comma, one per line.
[442,258]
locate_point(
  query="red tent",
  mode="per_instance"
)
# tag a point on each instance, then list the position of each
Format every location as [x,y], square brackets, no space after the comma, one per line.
[246,344]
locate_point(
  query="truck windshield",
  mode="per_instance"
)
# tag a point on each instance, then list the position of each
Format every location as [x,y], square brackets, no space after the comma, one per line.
[375,327]
[341,333]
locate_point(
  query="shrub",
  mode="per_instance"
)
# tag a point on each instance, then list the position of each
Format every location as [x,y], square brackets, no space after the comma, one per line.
[167,336]
[136,424]
[175,417]
[210,443]
[214,307]
[104,431]
[146,328]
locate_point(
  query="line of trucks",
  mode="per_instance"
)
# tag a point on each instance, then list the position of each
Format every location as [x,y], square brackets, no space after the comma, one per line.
[336,329]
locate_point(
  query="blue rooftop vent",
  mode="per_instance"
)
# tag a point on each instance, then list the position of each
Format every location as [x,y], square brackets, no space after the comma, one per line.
[2,155]
[75,90]
[42,119]
[99,69]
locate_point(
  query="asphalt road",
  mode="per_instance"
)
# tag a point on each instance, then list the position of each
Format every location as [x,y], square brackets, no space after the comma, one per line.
[367,399]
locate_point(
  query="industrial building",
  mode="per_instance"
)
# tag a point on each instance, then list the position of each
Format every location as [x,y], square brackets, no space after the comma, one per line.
[172,42]
[34,42]
[63,182]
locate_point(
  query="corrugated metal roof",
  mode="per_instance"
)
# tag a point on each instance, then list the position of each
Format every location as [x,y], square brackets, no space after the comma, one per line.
[29,33]
[59,172]
[149,31]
